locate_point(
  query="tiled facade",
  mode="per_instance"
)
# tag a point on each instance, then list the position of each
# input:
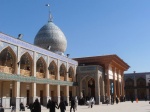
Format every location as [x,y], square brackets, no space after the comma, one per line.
[137,85]
[28,72]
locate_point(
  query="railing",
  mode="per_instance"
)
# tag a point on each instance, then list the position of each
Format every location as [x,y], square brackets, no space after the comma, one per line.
[39,75]
[52,77]
[62,78]
[6,69]
[25,72]
[70,79]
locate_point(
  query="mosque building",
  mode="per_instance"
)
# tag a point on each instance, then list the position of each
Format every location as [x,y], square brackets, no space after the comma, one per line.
[137,85]
[42,70]
[36,71]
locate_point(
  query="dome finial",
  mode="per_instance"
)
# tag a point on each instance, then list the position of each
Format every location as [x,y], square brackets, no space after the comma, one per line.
[50,19]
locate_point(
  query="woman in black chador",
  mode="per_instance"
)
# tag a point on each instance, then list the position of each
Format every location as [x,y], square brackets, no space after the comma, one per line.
[36,106]
[62,106]
[52,105]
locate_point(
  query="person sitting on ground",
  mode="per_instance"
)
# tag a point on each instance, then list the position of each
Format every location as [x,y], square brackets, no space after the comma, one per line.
[22,108]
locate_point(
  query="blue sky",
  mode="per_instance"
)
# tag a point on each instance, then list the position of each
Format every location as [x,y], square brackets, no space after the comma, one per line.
[92,27]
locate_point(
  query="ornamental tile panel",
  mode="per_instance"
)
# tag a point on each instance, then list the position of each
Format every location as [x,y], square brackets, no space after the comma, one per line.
[4,45]
[23,51]
[41,55]
[31,47]
[20,78]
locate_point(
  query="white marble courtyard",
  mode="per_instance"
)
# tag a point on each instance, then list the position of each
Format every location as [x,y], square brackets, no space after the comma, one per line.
[141,106]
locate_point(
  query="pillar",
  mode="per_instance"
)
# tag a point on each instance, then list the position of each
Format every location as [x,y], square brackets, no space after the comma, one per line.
[34,64]
[58,94]
[58,68]
[67,94]
[118,84]
[47,71]
[74,91]
[67,71]
[97,90]
[122,83]
[33,91]
[46,96]
[17,70]
[107,82]
[135,90]
[114,81]
[16,98]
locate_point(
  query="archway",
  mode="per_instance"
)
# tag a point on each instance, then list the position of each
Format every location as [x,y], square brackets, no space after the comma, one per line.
[52,70]
[7,61]
[63,72]
[141,90]
[71,74]
[91,87]
[40,68]
[87,87]
[129,88]
[26,64]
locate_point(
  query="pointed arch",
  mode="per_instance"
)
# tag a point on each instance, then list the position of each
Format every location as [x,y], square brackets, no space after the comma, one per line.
[63,72]
[52,70]
[71,74]
[87,86]
[129,82]
[41,68]
[26,64]
[7,60]
[141,82]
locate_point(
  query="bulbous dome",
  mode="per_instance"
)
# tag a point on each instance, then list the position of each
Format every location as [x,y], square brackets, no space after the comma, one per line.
[51,35]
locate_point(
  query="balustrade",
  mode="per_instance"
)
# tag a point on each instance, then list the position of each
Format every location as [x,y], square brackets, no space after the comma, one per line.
[52,77]
[70,79]
[6,69]
[62,78]
[25,72]
[39,75]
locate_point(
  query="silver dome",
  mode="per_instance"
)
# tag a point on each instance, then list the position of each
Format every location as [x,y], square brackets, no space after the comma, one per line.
[51,35]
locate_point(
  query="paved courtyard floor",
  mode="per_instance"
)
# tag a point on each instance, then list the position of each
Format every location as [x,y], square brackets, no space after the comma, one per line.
[141,106]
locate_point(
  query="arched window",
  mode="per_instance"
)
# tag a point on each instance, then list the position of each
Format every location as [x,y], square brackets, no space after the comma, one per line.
[26,64]
[71,72]
[40,68]
[7,60]
[129,82]
[141,82]
[63,70]
[52,68]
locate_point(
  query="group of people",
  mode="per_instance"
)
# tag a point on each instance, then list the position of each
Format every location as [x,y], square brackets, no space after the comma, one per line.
[52,105]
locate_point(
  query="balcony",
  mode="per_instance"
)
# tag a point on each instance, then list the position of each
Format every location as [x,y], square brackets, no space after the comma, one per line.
[62,78]
[6,69]
[70,79]
[39,75]
[52,77]
[25,72]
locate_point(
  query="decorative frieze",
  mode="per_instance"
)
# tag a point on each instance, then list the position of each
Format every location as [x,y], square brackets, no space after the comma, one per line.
[32,79]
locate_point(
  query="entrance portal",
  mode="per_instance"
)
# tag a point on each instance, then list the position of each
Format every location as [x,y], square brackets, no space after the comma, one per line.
[91,88]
